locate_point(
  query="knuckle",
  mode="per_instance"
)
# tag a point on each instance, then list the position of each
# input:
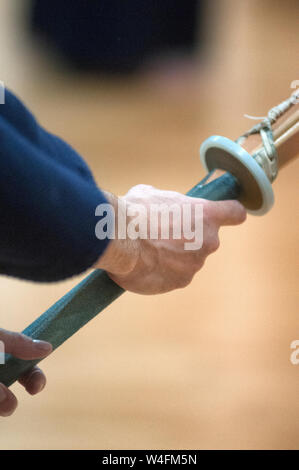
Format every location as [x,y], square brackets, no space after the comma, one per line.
[212,244]
[182,284]
[184,281]
[142,187]
[198,262]
[14,339]
[18,341]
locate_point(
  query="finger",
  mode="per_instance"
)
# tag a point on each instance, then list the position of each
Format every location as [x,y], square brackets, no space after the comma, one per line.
[23,347]
[33,381]
[226,212]
[8,401]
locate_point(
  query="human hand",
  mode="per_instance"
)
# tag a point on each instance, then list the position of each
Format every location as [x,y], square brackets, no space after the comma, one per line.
[154,266]
[34,381]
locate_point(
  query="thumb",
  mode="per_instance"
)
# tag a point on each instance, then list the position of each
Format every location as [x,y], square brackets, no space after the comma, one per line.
[227,212]
[23,347]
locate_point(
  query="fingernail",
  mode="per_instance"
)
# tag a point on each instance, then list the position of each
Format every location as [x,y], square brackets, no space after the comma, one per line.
[3,395]
[40,387]
[42,345]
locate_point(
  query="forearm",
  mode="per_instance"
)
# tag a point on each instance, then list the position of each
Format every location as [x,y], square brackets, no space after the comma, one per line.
[48,201]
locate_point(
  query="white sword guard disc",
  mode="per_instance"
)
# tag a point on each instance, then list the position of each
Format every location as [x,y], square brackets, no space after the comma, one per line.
[219,152]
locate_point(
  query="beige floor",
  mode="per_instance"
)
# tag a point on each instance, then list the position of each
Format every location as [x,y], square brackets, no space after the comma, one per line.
[204,367]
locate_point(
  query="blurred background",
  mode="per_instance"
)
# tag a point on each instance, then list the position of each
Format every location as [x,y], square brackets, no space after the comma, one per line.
[136,87]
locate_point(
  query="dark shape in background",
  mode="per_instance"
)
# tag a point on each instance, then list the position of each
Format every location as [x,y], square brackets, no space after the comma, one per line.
[117,36]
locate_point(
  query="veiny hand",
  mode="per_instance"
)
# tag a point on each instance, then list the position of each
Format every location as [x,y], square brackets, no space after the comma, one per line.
[34,381]
[148,266]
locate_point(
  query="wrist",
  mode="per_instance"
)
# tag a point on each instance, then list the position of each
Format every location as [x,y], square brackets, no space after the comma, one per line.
[121,254]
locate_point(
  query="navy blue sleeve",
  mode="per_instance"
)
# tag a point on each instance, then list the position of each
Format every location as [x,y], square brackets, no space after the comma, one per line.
[48,199]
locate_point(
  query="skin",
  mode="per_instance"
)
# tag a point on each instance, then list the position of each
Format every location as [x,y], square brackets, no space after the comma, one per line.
[143,266]
[149,266]
[33,381]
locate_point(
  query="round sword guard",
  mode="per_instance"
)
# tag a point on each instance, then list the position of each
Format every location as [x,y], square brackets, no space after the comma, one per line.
[221,153]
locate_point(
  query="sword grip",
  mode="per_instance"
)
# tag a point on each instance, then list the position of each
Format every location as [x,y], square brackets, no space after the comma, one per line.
[76,308]
[92,295]
[221,189]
